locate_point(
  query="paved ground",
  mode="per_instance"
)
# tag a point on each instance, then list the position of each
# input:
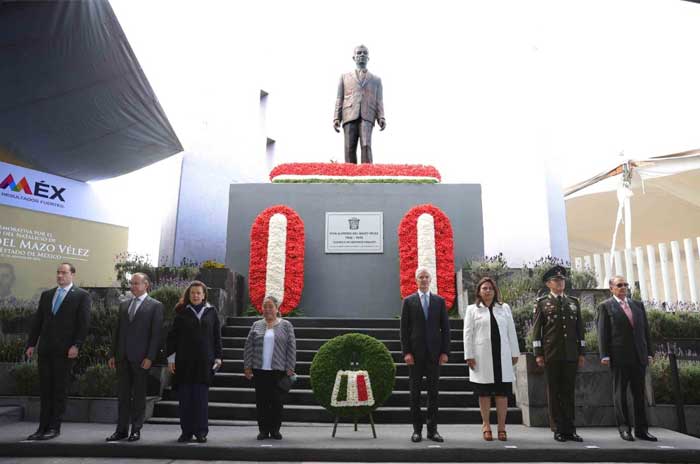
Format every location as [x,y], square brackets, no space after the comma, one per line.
[313,443]
[126,461]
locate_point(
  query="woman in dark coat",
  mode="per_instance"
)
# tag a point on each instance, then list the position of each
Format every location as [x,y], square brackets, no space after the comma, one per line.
[194,349]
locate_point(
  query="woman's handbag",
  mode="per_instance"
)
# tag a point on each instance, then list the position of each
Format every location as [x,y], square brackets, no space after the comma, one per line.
[286,382]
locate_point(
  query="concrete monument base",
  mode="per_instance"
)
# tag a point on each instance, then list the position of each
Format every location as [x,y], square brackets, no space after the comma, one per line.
[594,396]
[353,285]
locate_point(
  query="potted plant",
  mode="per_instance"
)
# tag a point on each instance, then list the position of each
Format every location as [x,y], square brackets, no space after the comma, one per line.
[213,274]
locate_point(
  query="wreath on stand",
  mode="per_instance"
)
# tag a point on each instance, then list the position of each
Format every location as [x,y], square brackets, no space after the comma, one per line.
[351,376]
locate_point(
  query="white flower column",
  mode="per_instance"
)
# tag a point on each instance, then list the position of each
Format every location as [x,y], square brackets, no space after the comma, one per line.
[426,247]
[276,256]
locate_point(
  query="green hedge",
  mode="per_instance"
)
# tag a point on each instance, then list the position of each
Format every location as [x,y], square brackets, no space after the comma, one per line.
[26,377]
[689,376]
[12,348]
[98,380]
[662,325]
[337,354]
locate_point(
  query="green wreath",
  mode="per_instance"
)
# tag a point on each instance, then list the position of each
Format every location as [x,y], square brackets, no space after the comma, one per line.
[336,354]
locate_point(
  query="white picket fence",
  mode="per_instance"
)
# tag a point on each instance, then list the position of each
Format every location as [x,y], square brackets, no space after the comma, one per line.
[661,277]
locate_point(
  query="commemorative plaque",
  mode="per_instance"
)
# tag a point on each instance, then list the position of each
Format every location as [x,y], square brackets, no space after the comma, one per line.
[355,232]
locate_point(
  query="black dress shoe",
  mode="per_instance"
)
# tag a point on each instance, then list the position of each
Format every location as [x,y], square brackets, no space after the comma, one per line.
[644,435]
[50,434]
[262,435]
[626,435]
[416,437]
[276,435]
[184,438]
[135,436]
[559,437]
[574,437]
[36,435]
[200,438]
[116,436]
[435,437]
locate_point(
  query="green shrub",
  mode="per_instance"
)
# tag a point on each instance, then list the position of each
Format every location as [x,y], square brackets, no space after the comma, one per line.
[337,354]
[131,263]
[17,318]
[663,325]
[169,295]
[518,284]
[26,375]
[689,376]
[12,349]
[98,380]
[592,341]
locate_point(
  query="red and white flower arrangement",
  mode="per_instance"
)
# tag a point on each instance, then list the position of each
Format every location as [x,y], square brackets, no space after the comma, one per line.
[349,172]
[352,389]
[277,258]
[426,240]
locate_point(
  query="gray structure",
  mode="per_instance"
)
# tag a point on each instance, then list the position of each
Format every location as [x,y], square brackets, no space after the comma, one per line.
[352,285]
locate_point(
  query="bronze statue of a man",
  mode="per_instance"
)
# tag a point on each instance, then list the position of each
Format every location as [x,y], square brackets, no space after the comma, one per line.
[358,105]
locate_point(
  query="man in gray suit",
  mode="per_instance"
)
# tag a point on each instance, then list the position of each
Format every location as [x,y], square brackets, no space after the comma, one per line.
[358,105]
[134,347]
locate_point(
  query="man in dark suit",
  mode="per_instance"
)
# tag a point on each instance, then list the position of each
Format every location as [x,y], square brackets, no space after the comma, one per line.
[425,343]
[134,347]
[623,340]
[60,326]
[358,105]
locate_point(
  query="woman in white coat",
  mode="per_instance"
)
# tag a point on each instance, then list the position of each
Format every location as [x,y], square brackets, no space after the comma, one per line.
[490,349]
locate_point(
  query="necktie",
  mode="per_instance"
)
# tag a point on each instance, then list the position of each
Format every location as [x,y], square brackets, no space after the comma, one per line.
[425,304]
[59,299]
[132,309]
[628,311]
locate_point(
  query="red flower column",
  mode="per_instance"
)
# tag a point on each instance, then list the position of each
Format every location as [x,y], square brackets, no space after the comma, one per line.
[277,258]
[425,239]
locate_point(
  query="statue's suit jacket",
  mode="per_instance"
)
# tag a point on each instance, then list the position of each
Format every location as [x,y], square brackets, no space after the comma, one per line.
[359,99]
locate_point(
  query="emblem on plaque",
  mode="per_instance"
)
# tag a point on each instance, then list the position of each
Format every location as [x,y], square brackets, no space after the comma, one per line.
[354,223]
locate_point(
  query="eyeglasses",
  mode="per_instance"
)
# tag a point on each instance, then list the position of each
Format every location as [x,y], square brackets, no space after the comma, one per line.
[622,284]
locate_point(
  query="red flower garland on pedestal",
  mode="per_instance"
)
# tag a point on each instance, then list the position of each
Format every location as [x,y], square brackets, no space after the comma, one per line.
[294,258]
[444,252]
[354,170]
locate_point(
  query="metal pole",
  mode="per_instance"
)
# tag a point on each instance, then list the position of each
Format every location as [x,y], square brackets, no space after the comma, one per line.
[676,384]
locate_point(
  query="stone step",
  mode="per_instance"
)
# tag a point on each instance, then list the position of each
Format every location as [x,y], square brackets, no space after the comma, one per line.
[296,413]
[10,414]
[302,367]
[316,343]
[308,355]
[326,333]
[237,380]
[391,323]
[297,396]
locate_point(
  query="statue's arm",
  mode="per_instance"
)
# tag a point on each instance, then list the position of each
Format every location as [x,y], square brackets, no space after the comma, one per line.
[380,105]
[338,114]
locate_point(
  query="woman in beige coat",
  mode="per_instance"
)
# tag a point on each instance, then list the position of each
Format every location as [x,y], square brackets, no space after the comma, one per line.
[490,349]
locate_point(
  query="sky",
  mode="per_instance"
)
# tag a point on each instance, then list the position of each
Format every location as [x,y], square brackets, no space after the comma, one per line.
[486,91]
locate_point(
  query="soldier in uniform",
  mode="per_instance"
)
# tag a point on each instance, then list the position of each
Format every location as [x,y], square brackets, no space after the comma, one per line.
[558,340]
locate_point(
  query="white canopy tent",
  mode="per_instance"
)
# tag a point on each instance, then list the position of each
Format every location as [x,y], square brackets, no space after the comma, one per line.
[656,201]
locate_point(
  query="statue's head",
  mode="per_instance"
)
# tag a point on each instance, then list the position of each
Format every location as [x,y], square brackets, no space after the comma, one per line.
[361,56]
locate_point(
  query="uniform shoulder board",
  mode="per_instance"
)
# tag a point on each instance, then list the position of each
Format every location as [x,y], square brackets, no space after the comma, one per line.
[543,297]
[573,298]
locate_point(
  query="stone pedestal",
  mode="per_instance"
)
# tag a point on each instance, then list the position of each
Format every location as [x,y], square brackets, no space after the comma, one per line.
[353,285]
[594,396]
